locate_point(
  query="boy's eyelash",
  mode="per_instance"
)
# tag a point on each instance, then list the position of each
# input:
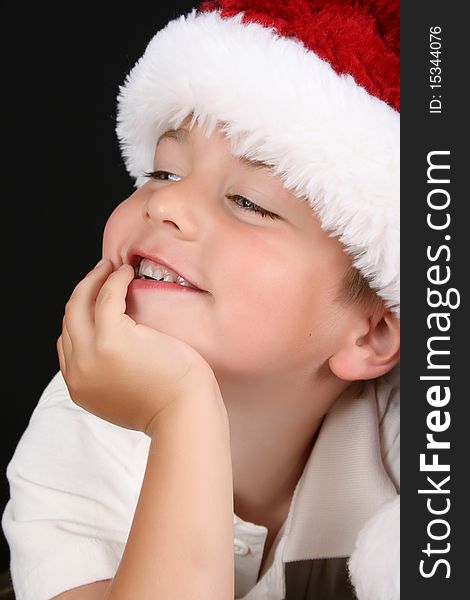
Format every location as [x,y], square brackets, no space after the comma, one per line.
[257,209]
[156,175]
[161,176]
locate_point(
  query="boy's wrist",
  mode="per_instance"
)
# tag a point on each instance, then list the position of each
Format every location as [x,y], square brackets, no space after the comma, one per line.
[197,404]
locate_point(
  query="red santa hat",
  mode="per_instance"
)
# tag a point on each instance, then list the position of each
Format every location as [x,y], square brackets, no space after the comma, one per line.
[309,86]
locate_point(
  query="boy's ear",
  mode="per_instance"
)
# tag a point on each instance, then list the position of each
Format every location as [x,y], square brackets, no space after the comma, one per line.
[369,354]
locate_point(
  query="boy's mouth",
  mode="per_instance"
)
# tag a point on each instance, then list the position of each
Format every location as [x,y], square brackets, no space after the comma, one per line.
[148,269]
[153,268]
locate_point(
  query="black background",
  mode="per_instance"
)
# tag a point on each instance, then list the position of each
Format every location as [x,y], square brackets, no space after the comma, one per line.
[64,175]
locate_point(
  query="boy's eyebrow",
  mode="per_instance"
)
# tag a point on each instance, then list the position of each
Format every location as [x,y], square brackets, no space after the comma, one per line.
[182,137]
[179,135]
[254,164]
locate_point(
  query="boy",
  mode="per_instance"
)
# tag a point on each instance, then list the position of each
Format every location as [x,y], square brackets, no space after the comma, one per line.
[248,369]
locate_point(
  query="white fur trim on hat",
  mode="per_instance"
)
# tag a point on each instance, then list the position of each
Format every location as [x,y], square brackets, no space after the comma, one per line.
[374,565]
[329,139]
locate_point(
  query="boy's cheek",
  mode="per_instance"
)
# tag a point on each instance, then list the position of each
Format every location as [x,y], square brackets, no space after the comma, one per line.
[120,229]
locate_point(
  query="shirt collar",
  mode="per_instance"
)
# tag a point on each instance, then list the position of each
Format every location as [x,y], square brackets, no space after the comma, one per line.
[343,483]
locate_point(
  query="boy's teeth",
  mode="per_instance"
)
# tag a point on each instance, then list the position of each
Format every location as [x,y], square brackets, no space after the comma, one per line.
[148,268]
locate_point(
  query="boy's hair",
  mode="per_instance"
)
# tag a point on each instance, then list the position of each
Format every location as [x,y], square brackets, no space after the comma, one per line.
[355,289]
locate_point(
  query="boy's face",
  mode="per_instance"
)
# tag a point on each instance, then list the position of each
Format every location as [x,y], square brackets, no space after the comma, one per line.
[270,282]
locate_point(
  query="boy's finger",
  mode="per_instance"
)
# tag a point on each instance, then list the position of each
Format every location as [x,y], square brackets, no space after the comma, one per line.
[67,346]
[80,313]
[60,353]
[111,300]
[93,279]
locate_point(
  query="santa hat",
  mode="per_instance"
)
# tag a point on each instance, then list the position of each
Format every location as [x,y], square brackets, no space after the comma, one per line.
[374,565]
[308,86]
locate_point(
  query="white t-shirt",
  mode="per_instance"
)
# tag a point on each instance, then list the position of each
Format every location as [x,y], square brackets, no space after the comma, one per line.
[75,480]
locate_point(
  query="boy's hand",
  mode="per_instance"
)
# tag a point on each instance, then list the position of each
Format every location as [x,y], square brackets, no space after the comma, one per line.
[121,371]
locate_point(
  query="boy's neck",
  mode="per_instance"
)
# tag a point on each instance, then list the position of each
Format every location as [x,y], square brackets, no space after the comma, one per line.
[273,427]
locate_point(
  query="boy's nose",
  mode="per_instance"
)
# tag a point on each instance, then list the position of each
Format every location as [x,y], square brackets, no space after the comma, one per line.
[175,209]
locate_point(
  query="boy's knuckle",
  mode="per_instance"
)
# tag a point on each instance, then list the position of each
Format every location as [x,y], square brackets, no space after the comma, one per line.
[78,288]
[63,327]
[70,306]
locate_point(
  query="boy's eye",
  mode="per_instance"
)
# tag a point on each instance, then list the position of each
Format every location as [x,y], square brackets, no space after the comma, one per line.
[162,175]
[251,206]
[241,201]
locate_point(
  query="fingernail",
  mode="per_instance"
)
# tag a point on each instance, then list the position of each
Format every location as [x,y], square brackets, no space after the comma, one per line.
[99,263]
